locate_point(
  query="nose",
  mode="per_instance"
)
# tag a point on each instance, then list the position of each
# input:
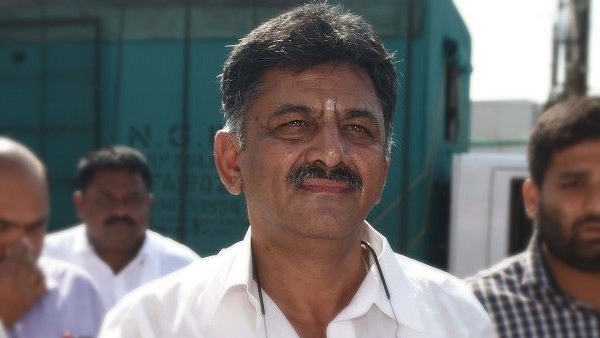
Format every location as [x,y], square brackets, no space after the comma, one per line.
[120,207]
[327,146]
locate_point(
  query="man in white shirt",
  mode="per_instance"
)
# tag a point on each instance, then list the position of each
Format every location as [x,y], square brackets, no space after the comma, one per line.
[39,298]
[114,244]
[308,99]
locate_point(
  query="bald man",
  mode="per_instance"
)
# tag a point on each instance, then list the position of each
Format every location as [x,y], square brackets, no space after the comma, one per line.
[38,297]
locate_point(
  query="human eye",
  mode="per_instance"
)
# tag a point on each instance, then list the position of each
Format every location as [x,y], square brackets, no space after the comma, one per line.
[134,200]
[4,226]
[293,129]
[295,124]
[37,226]
[7,226]
[360,133]
[357,128]
[570,183]
[104,200]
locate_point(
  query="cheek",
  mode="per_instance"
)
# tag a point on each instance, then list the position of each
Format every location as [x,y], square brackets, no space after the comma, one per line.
[94,220]
[563,205]
[8,238]
[257,169]
[561,209]
[89,212]
[143,215]
[374,168]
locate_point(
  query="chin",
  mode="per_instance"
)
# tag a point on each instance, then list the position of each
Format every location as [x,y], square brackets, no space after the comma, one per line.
[327,230]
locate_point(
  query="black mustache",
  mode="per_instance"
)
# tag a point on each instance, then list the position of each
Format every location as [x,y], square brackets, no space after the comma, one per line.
[123,219]
[337,174]
[587,219]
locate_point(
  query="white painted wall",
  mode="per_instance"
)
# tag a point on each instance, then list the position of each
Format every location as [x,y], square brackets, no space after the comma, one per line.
[479,211]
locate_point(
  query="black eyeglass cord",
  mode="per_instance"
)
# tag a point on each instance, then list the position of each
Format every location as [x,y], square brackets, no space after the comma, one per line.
[385,287]
[380,272]
[260,294]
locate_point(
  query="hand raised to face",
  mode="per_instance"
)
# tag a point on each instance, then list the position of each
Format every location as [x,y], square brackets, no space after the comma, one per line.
[22,283]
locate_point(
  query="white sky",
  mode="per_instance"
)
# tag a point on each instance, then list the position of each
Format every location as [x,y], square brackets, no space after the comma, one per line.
[512,47]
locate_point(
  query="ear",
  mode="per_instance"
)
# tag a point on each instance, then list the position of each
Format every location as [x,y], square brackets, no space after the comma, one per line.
[150,198]
[78,201]
[531,197]
[227,154]
[384,178]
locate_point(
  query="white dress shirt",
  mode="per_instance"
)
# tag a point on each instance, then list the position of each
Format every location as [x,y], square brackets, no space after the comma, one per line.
[217,297]
[158,256]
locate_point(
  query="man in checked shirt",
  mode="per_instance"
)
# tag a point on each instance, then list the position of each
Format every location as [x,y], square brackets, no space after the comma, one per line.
[552,289]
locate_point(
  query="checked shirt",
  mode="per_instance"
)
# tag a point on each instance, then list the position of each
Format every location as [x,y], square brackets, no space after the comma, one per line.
[524,302]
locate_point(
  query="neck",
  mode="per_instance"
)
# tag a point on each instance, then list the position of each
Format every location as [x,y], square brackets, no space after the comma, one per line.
[578,284]
[310,283]
[117,260]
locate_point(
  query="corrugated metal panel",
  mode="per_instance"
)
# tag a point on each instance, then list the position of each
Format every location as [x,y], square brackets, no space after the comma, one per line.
[165,20]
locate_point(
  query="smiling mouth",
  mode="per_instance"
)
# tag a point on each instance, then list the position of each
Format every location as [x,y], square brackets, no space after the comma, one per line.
[123,222]
[593,230]
[325,186]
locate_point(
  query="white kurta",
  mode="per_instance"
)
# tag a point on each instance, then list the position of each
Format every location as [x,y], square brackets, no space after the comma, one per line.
[158,257]
[217,297]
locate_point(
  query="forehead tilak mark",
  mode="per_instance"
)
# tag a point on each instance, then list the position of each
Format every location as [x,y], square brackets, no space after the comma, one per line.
[330,105]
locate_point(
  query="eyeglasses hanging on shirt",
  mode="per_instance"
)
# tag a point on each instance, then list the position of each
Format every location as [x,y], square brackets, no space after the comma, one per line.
[370,250]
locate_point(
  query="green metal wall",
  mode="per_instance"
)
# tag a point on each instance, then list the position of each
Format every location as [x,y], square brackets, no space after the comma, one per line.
[74,77]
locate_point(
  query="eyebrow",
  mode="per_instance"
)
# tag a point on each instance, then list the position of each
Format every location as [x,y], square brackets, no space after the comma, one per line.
[363,113]
[570,174]
[289,108]
[42,220]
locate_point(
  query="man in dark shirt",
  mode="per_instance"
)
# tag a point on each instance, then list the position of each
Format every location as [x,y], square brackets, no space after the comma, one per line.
[552,288]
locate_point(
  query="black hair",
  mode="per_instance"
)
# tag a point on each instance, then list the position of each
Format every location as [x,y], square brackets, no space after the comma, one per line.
[564,124]
[111,158]
[299,39]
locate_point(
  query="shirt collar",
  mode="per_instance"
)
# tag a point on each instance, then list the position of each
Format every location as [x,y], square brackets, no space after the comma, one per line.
[536,271]
[403,291]
[48,266]
[238,274]
[403,295]
[147,247]
[241,267]
[81,244]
